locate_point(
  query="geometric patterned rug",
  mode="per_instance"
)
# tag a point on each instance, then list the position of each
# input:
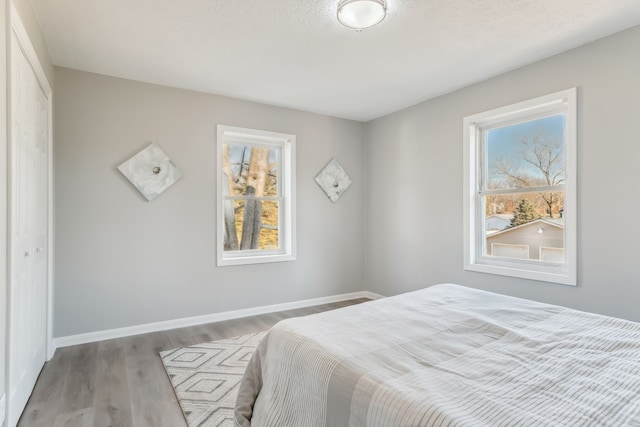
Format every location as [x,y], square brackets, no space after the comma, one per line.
[206,377]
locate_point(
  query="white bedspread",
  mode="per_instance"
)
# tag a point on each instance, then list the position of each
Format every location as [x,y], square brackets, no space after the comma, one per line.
[445,356]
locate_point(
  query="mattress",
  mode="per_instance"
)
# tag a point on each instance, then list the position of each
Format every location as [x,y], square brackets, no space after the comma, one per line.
[445,356]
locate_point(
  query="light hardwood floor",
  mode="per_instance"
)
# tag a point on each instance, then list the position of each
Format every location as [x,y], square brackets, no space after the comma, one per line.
[122,382]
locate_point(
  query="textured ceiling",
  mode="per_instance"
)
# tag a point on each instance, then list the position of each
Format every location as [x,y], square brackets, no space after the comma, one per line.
[294,53]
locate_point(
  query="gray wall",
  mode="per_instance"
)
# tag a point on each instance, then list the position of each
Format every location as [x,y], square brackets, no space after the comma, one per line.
[123,261]
[415,236]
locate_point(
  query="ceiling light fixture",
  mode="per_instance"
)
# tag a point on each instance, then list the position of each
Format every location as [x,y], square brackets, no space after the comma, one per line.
[359,14]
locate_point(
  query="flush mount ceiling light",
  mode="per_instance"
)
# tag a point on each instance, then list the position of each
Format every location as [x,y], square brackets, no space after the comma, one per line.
[359,14]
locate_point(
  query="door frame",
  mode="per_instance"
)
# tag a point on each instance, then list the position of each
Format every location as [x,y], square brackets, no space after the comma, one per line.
[19,33]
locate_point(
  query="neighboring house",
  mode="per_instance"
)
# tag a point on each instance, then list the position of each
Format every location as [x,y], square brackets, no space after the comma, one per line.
[497,222]
[542,239]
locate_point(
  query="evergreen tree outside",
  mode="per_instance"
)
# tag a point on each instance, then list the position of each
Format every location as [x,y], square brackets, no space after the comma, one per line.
[524,213]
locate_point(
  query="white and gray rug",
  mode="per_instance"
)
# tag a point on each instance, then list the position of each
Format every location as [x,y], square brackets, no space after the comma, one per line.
[206,377]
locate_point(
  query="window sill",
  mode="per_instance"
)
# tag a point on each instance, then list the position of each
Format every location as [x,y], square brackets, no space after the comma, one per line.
[522,272]
[227,260]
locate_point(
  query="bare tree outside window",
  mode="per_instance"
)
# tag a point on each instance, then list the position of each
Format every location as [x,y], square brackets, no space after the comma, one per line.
[251,218]
[544,153]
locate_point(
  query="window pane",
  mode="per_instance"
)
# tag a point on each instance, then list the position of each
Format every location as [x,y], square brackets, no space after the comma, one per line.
[528,154]
[251,224]
[269,232]
[525,226]
[250,170]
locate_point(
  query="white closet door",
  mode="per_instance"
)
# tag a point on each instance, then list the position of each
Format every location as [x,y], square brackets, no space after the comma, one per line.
[28,230]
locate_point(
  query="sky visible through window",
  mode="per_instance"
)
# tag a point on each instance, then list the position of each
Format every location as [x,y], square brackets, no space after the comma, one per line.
[506,143]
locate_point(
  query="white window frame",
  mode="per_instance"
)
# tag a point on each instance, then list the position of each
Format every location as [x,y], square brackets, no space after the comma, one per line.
[287,173]
[563,102]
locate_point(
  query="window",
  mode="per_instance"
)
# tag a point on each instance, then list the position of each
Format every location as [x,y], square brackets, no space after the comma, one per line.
[256,196]
[520,189]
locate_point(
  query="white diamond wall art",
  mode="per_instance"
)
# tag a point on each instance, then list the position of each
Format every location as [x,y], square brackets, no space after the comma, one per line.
[151,171]
[333,180]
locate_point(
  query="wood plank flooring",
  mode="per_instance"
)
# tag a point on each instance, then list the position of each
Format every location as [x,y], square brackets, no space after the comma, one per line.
[122,383]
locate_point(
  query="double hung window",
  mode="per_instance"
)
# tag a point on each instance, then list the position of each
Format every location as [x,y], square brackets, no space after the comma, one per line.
[520,189]
[256,209]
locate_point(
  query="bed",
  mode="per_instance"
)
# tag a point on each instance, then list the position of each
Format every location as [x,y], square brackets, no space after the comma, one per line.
[445,356]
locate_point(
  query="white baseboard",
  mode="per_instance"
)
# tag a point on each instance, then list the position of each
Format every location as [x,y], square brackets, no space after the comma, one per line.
[370,295]
[201,320]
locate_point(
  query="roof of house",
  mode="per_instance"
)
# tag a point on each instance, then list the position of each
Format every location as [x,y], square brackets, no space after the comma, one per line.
[554,222]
